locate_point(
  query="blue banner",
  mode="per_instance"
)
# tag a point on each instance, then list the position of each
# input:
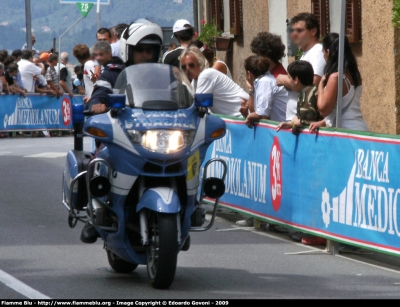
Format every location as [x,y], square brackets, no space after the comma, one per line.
[36,112]
[337,184]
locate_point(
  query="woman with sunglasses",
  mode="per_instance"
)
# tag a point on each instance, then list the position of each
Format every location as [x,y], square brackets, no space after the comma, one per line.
[228,96]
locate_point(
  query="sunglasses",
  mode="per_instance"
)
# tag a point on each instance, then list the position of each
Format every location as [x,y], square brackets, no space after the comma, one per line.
[297,30]
[148,50]
[190,65]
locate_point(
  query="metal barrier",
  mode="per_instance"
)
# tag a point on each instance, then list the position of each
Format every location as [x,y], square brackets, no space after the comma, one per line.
[337,184]
[36,112]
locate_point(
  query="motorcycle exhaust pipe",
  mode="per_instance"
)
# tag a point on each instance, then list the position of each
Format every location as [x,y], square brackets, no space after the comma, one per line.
[78,121]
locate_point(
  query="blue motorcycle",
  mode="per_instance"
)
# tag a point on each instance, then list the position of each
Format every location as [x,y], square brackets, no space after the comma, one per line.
[142,190]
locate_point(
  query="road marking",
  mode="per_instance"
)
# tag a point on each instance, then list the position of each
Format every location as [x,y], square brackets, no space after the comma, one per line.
[3,153]
[51,155]
[20,287]
[237,228]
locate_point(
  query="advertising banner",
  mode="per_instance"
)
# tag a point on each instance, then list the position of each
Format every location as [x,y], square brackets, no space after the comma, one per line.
[339,185]
[36,112]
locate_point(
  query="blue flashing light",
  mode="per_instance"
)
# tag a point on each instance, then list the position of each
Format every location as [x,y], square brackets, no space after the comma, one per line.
[116,101]
[77,113]
[203,100]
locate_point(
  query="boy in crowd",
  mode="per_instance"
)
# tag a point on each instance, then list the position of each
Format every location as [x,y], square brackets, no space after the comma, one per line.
[301,76]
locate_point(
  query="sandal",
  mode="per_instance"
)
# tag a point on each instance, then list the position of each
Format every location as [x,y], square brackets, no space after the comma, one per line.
[296,235]
[313,241]
[279,229]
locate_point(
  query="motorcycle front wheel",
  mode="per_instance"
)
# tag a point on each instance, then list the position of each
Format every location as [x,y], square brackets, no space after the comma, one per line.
[162,251]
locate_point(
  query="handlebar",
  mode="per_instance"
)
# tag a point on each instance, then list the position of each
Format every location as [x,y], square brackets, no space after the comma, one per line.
[88,113]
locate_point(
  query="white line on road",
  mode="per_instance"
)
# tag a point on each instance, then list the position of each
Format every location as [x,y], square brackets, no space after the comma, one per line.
[20,287]
[237,228]
[48,155]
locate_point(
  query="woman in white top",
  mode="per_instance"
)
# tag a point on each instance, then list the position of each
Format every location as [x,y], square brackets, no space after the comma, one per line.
[222,67]
[352,117]
[213,62]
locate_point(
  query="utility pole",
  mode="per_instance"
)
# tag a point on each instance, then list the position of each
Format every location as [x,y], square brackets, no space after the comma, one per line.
[196,15]
[28,24]
[98,14]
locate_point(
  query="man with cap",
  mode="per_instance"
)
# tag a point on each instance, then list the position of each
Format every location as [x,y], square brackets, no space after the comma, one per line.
[184,32]
[44,57]
[25,46]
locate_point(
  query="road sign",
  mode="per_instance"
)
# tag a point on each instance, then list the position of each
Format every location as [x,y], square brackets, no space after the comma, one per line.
[84,8]
[102,2]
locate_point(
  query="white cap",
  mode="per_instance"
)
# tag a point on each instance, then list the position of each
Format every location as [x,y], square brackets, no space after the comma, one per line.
[181,25]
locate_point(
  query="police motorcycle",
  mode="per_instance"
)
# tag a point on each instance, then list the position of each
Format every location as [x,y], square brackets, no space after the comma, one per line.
[141,190]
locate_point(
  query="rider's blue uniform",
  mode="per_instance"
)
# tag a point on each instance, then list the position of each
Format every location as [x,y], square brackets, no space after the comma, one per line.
[106,82]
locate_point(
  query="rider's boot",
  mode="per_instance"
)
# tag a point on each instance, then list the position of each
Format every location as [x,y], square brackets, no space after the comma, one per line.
[89,233]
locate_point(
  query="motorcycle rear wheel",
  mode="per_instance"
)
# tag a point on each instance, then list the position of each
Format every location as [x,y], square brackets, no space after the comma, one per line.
[119,265]
[162,252]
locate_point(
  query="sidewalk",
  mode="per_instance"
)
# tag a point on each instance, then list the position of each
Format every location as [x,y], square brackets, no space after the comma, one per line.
[370,257]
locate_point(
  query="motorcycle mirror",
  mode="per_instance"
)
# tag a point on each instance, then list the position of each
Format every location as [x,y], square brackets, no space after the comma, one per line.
[203,100]
[116,101]
[77,113]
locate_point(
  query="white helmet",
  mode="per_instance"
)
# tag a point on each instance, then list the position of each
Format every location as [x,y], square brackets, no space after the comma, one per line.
[141,32]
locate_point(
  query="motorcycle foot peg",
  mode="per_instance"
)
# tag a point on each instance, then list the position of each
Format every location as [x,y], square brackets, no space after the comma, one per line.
[89,234]
[198,217]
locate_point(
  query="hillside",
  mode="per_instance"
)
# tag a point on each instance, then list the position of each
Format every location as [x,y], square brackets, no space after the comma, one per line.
[50,19]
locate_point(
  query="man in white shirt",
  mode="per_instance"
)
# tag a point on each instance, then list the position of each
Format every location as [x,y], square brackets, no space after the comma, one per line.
[116,33]
[305,34]
[228,96]
[65,75]
[82,54]
[29,71]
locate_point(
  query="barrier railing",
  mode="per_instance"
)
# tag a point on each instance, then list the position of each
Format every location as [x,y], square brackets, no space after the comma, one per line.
[36,112]
[337,184]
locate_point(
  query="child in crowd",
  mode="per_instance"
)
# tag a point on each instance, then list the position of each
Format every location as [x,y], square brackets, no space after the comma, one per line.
[301,76]
[267,100]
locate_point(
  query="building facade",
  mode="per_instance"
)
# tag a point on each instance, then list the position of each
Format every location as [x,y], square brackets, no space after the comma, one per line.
[375,42]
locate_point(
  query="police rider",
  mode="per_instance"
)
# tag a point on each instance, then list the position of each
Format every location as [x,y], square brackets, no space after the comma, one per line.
[140,43]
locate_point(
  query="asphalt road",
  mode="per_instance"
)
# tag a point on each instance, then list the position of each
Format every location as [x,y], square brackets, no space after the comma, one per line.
[41,253]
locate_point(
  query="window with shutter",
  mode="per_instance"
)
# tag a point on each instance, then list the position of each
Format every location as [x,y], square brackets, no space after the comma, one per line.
[235,17]
[320,8]
[353,20]
[217,13]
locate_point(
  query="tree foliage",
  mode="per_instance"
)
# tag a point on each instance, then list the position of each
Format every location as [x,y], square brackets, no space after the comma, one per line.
[396,13]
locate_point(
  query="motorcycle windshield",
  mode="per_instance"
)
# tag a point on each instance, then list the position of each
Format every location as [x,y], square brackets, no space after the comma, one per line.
[154,87]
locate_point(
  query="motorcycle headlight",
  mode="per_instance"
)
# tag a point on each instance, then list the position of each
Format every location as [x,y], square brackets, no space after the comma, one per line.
[162,141]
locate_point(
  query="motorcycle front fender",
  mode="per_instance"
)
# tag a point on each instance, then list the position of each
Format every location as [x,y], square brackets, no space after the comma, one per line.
[162,200]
